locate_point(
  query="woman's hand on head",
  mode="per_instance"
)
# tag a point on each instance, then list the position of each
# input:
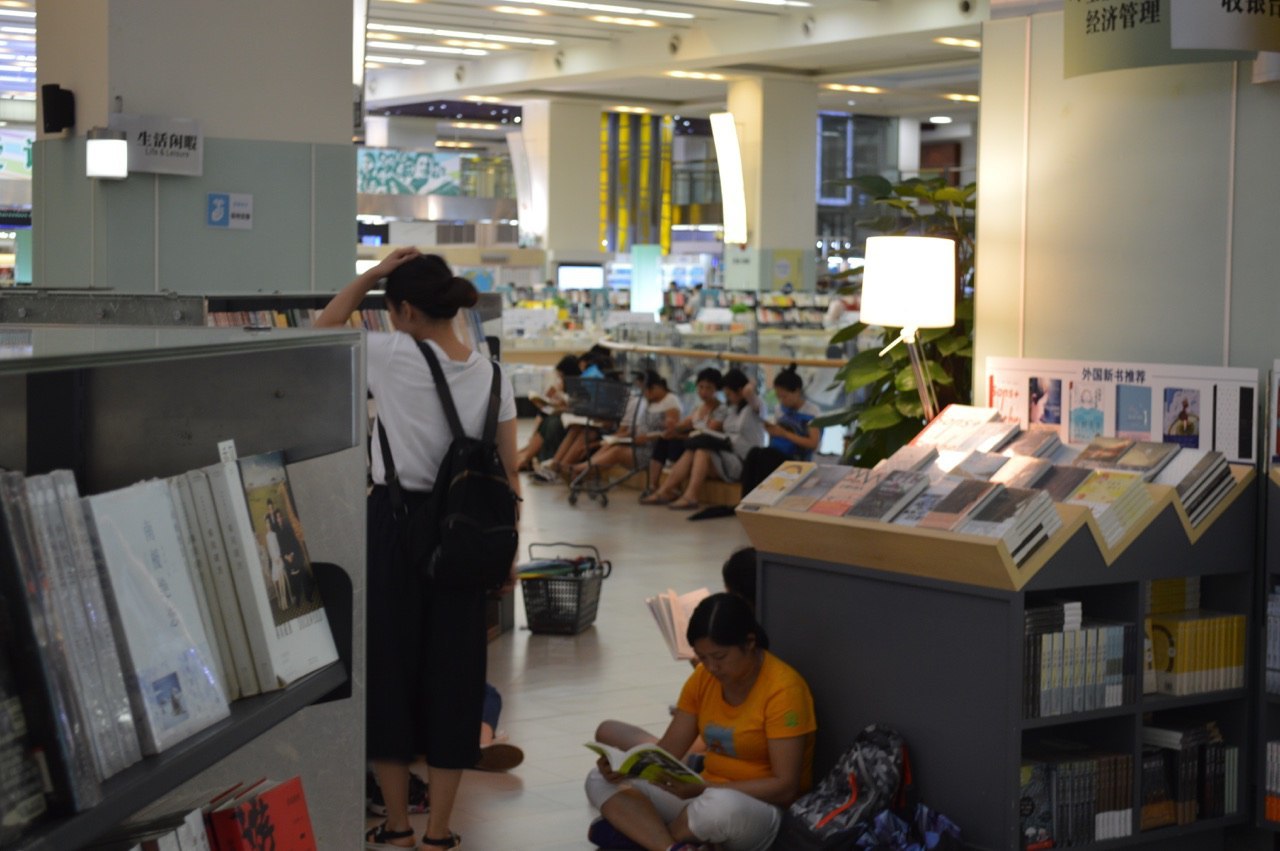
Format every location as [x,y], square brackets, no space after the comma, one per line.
[394,260]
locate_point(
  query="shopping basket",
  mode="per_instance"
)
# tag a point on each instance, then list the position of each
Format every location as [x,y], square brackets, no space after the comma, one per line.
[562,592]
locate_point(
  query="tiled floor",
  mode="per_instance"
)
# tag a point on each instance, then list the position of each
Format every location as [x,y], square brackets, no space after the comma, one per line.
[556,689]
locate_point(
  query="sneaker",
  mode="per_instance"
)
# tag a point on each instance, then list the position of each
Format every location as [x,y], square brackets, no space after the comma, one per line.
[419,799]
[602,834]
[545,474]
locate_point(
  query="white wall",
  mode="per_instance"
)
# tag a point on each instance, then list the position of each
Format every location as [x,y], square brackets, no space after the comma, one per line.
[1124,215]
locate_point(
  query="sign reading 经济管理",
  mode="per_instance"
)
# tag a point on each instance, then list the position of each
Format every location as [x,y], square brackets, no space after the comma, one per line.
[161,145]
[1107,35]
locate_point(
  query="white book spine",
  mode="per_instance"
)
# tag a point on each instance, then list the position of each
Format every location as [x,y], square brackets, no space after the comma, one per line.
[245,566]
[237,640]
[89,568]
[206,595]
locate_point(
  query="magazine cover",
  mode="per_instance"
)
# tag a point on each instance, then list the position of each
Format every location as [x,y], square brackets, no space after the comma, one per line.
[1133,412]
[1044,399]
[1087,416]
[282,549]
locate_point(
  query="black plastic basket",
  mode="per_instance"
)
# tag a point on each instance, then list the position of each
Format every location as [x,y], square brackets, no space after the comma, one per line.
[565,605]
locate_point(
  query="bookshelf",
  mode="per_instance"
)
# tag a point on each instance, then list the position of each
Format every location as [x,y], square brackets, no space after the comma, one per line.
[923,631]
[1268,703]
[120,404]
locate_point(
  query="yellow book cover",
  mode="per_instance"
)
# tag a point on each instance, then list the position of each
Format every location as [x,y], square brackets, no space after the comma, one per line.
[1104,487]
[1167,651]
[779,483]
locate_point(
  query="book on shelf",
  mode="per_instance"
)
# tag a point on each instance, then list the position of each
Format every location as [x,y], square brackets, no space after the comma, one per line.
[1103,452]
[1178,594]
[1020,518]
[671,611]
[42,666]
[978,465]
[957,427]
[1197,651]
[920,507]
[1061,480]
[1021,471]
[1148,458]
[267,809]
[1086,412]
[166,655]
[645,761]
[1117,499]
[237,648]
[910,456]
[891,494]
[1075,795]
[1081,668]
[284,617]
[1191,754]
[855,484]
[1037,444]
[22,792]
[813,487]
[177,832]
[777,484]
[967,496]
[1035,806]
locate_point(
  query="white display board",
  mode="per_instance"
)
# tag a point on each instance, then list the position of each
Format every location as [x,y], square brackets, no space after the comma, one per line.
[1194,406]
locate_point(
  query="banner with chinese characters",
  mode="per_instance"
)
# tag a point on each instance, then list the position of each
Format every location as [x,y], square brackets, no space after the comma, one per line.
[1107,35]
[15,154]
[1227,24]
[1196,407]
[386,171]
[161,145]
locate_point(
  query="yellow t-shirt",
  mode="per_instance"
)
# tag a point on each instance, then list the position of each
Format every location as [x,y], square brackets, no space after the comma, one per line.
[779,706]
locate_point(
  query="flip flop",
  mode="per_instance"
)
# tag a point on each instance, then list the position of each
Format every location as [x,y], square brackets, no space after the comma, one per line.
[655,499]
[684,506]
[378,838]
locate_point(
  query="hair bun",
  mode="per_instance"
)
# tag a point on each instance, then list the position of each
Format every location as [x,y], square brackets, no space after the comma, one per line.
[459,292]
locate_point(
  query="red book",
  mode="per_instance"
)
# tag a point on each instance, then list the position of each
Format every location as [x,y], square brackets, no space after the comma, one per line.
[271,817]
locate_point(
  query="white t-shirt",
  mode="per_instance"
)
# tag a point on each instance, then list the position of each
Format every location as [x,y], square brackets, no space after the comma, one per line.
[410,409]
[655,417]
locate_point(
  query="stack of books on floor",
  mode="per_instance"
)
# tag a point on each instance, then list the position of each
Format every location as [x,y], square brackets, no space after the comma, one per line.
[1075,665]
[1073,795]
[133,618]
[246,817]
[1188,764]
[1117,500]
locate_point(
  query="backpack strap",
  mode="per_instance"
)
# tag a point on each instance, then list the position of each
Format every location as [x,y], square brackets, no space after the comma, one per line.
[442,387]
[495,399]
[389,471]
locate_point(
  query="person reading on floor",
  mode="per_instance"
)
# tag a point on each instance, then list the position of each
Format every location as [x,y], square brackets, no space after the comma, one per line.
[792,434]
[660,415]
[755,714]
[713,455]
[548,429]
[708,414]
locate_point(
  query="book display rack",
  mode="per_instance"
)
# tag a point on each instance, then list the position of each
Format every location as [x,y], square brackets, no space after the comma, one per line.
[119,405]
[1268,756]
[928,631]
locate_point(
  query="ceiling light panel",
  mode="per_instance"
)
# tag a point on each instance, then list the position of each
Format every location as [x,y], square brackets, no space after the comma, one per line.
[950,41]
[626,22]
[475,125]
[396,60]
[695,75]
[864,90]
[958,98]
[519,10]
[608,8]
[631,110]
[482,99]
[431,31]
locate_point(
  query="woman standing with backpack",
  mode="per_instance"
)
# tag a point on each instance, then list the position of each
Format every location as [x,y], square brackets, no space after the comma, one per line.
[426,644]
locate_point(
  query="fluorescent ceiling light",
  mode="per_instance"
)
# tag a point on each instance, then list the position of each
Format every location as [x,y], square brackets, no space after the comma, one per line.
[626,22]
[481,45]
[963,98]
[777,3]
[632,110]
[445,143]
[482,99]
[864,90]
[396,60]
[608,8]
[509,39]
[19,30]
[950,41]
[695,75]
[427,48]
[516,10]
[940,119]
[476,125]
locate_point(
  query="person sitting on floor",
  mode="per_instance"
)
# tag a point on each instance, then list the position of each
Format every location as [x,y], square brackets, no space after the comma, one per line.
[709,414]
[792,434]
[661,414]
[756,715]
[715,456]
[548,430]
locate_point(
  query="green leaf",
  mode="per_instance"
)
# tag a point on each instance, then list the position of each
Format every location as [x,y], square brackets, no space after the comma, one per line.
[873,185]
[861,376]
[837,418]
[909,405]
[951,344]
[952,195]
[847,333]
[966,352]
[905,380]
[964,309]
[881,416]
[939,375]
[928,335]
[897,203]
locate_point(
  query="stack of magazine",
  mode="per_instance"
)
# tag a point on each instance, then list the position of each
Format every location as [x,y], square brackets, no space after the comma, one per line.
[1202,479]
[134,617]
[1023,519]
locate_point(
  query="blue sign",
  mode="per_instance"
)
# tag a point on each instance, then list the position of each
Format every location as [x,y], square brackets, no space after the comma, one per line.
[218,211]
[229,210]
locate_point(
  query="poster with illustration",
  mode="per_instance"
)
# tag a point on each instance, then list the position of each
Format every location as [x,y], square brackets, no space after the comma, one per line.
[1044,403]
[1133,412]
[1181,420]
[1086,418]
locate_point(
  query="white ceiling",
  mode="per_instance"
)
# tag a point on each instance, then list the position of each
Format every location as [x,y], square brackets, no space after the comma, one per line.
[888,44]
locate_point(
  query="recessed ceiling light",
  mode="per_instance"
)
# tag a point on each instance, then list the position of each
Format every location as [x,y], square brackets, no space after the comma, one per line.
[950,41]
[445,143]
[482,45]
[507,39]
[695,75]
[476,125]
[626,22]
[396,60]
[15,4]
[963,98]
[608,8]
[940,119]
[631,110]
[800,3]
[863,90]
[428,48]
[482,99]
[517,10]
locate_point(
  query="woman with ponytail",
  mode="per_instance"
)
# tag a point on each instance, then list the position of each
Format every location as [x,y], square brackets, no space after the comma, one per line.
[426,646]
[755,714]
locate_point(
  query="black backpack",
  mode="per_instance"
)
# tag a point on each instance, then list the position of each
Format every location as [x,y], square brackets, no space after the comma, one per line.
[465,535]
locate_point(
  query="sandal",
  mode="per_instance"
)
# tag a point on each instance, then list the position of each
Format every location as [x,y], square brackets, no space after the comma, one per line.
[453,840]
[499,757]
[691,505]
[656,499]
[379,838]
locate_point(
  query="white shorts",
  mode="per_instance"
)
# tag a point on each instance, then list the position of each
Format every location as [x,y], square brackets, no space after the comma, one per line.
[726,817]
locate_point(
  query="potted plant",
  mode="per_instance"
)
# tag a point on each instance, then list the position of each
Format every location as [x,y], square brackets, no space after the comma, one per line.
[884,411]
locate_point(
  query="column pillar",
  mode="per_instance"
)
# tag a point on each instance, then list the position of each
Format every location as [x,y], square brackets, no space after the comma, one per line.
[408,132]
[777,127]
[561,142]
[275,116]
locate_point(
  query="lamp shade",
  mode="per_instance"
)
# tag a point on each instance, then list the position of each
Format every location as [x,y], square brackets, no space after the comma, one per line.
[909,282]
[106,154]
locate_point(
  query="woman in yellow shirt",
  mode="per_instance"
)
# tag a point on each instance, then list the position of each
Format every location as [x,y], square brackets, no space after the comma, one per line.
[755,714]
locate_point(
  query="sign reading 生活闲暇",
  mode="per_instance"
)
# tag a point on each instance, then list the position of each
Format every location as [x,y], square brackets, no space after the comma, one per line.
[1107,35]
[161,145]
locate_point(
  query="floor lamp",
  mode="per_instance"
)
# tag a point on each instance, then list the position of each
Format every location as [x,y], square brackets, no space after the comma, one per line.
[909,282]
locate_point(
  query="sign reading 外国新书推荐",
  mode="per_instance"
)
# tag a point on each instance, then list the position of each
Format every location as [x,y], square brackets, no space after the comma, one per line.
[229,210]
[1107,35]
[161,145]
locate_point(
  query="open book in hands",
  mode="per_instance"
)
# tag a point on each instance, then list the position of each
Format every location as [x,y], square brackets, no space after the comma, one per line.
[647,762]
[542,403]
[672,612]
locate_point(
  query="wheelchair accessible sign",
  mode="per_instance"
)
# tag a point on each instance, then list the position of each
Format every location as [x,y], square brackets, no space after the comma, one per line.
[229,211]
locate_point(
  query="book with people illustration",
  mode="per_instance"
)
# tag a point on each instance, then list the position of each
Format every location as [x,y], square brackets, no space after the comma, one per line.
[647,762]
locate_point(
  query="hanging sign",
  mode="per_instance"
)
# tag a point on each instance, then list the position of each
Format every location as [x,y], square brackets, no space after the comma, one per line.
[1107,35]
[1227,25]
[161,145]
